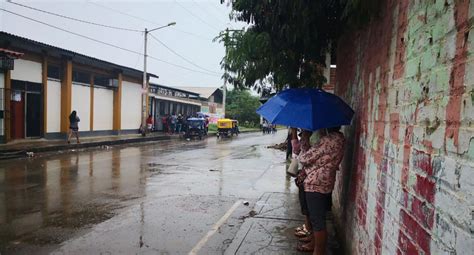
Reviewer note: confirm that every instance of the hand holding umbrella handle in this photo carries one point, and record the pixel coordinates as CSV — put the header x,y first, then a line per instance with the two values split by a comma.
x,y
294,133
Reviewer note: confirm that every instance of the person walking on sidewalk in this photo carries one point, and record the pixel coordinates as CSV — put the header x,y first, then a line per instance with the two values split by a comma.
x,y
73,126
320,164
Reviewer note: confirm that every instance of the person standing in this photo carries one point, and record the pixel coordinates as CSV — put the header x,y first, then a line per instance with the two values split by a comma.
x,y
300,147
179,127
320,164
173,121
73,126
149,123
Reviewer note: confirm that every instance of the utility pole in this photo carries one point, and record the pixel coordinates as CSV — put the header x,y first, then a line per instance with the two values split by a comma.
x,y
144,86
145,80
225,95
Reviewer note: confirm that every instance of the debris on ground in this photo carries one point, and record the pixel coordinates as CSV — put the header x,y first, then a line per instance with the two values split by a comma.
x,y
30,154
279,146
246,203
249,215
213,170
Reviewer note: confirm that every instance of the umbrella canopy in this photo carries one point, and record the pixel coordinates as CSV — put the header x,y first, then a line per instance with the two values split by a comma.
x,y
309,109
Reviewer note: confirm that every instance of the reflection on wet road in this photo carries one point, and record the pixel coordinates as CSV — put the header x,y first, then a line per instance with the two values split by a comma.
x,y
157,197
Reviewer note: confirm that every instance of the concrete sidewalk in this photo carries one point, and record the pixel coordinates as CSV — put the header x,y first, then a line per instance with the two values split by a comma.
x,y
24,148
270,228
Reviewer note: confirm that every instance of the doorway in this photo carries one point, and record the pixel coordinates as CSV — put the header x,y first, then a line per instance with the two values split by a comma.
x,y
26,110
33,114
17,109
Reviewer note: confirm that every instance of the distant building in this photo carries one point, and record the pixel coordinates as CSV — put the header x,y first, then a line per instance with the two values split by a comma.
x,y
41,84
164,100
211,101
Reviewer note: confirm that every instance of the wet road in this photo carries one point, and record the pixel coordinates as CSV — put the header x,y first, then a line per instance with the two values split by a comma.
x,y
168,197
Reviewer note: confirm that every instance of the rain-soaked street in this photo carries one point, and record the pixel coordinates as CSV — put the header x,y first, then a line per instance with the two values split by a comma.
x,y
170,197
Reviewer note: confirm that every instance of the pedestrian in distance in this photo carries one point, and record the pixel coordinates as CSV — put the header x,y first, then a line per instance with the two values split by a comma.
x,y
164,120
73,126
179,126
320,164
173,121
149,123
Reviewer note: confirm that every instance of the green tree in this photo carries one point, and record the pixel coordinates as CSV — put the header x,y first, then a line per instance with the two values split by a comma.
x,y
241,105
286,41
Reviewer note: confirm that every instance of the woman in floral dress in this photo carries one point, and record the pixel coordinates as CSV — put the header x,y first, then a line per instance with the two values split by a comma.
x,y
320,164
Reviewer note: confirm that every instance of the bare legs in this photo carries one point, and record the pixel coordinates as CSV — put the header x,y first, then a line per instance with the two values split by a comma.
x,y
70,133
320,239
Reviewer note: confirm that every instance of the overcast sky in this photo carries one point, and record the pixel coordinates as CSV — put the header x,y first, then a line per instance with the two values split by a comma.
x,y
198,22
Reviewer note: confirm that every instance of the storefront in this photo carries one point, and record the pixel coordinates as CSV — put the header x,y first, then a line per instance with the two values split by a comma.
x,y
166,101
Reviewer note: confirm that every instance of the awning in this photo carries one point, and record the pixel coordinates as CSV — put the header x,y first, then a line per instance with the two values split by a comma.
x,y
174,99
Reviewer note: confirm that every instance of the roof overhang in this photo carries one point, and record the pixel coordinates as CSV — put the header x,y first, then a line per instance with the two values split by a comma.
x,y
173,99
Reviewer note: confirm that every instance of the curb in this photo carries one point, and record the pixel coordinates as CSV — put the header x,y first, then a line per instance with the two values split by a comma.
x,y
20,153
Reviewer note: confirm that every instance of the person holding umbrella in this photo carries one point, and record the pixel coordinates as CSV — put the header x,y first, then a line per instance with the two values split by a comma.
x,y
320,164
324,112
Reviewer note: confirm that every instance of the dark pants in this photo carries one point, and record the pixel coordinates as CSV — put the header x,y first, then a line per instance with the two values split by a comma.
x,y
302,198
318,205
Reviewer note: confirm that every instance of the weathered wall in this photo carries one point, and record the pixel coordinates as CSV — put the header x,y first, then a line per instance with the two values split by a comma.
x,y
407,183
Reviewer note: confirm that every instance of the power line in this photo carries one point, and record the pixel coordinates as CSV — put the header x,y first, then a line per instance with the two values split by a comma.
x,y
180,56
149,21
207,12
105,43
71,18
197,17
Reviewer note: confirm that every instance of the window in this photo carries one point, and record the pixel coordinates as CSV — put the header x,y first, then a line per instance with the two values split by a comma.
x,y
55,72
81,77
101,81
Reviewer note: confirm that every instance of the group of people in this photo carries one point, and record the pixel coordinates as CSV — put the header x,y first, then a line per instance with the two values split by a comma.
x,y
268,128
176,124
315,180
172,124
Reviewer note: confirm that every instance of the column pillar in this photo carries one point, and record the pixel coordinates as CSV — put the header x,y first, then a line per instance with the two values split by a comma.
x,y
66,94
7,111
91,121
118,105
44,73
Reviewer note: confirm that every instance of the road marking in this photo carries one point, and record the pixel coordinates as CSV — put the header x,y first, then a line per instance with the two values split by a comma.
x,y
214,228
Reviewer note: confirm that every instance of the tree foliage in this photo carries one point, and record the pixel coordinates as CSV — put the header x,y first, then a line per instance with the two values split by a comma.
x,y
241,105
285,42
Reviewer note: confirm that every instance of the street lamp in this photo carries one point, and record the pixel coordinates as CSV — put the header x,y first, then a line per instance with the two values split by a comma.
x,y
145,85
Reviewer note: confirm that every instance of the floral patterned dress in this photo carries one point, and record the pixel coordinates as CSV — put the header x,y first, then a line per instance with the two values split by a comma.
x,y
321,163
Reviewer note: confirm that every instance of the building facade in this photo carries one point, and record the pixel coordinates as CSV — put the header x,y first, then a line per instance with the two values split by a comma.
x,y
45,83
211,101
164,101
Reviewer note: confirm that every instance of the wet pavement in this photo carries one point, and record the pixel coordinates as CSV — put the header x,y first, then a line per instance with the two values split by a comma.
x,y
167,197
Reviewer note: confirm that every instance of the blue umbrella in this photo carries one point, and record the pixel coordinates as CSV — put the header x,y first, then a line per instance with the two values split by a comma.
x,y
309,109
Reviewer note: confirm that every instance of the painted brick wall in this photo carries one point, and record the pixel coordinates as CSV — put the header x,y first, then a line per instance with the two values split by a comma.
x,y
407,182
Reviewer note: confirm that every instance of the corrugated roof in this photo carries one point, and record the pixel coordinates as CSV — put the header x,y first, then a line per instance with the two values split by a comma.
x,y
11,41
205,92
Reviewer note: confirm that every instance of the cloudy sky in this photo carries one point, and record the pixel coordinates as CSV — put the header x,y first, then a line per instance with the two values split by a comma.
x,y
198,22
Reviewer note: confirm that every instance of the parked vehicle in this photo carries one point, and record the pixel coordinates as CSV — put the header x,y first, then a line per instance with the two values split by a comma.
x,y
196,128
227,127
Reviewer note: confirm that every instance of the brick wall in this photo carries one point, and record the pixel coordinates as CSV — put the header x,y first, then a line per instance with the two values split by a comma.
x,y
407,181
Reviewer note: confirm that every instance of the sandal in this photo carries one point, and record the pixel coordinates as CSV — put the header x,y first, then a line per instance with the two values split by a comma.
x,y
302,233
302,247
302,227
306,239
